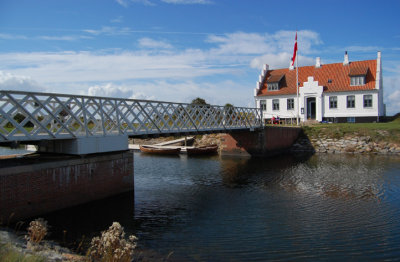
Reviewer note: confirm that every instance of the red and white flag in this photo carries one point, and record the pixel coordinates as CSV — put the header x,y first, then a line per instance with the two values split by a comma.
x,y
295,50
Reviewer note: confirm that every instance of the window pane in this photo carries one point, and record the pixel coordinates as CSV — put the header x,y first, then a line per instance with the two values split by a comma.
x,y
367,100
290,104
351,102
275,104
332,102
263,105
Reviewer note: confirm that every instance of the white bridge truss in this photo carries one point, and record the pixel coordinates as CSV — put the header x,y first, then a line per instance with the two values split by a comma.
x,y
33,116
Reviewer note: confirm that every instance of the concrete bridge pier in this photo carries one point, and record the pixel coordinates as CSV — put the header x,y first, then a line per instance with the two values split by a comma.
x,y
35,185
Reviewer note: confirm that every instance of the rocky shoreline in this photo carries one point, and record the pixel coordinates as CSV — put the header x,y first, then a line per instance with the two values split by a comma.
x,y
350,144
48,250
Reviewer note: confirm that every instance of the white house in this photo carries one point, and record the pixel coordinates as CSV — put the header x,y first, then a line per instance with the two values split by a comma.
x,y
339,92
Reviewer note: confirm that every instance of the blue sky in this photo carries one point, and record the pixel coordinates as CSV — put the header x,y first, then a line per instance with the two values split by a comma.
x,y
177,50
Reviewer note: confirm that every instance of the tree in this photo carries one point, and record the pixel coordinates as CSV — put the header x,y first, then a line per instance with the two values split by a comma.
x,y
199,101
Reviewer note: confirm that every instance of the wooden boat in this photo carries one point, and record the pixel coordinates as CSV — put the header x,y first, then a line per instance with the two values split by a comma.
x,y
202,150
159,150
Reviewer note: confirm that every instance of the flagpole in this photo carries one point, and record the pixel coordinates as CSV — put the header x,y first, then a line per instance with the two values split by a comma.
x,y
297,87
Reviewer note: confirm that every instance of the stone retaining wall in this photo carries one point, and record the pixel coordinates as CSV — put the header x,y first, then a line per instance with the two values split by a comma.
x,y
354,144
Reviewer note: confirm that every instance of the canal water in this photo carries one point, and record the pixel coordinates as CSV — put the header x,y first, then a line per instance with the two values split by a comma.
x,y
320,207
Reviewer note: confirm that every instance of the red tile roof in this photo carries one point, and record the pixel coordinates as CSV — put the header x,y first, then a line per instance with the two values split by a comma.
x,y
338,73
274,78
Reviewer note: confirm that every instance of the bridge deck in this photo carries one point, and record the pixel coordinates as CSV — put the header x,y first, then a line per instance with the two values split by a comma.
x,y
33,116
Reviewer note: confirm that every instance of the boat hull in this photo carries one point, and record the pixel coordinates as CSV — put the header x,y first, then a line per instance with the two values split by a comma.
x,y
203,150
159,150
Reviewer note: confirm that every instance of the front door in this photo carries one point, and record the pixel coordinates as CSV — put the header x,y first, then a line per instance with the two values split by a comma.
x,y
311,108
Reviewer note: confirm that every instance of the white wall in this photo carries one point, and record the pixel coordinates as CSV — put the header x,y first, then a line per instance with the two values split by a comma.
x,y
282,112
358,111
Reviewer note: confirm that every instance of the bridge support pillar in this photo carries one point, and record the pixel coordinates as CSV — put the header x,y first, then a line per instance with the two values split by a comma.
x,y
266,142
85,145
33,186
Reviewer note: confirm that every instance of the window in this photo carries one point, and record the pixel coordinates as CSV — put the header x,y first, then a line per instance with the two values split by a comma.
x,y
290,104
351,102
333,102
263,105
357,80
275,104
367,100
351,120
273,86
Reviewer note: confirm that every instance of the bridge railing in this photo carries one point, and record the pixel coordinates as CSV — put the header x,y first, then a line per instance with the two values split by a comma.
x,y
30,116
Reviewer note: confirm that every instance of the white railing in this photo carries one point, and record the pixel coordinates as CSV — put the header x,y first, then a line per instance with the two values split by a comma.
x,y
32,116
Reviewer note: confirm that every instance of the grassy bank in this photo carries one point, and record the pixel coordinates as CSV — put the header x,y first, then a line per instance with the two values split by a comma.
x,y
379,132
9,254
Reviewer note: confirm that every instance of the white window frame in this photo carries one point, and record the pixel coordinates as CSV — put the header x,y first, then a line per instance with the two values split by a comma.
x,y
263,105
357,80
275,104
273,86
290,104
370,101
333,102
352,101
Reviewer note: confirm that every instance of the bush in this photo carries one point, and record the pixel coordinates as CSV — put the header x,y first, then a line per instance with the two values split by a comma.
x,y
37,230
112,246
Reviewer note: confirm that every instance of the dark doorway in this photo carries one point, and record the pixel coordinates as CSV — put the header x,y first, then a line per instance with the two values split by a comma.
x,y
311,108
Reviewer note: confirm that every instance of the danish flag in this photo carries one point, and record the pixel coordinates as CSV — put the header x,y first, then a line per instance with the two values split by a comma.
x,y
295,50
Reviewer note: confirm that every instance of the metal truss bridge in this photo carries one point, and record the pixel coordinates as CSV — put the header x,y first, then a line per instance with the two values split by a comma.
x,y
33,117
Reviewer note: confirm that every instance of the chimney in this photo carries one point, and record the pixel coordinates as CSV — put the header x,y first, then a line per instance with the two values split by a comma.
x,y
318,62
346,58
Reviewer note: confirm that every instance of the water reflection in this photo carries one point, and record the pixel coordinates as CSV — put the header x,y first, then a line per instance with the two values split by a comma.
x,y
337,176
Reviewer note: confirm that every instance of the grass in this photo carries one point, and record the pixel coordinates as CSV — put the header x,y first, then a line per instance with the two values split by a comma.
x,y
8,254
379,132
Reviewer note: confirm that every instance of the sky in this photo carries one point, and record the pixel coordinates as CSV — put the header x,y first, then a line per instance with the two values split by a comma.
x,y
177,50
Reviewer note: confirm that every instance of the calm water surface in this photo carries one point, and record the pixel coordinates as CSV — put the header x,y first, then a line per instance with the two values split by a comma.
x,y
325,207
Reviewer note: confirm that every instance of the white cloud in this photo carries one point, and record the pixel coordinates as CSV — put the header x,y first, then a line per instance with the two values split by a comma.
x,y
60,38
16,82
151,43
362,49
109,30
181,91
69,67
255,43
240,43
391,91
279,60
124,3
12,37
117,20
117,91
168,74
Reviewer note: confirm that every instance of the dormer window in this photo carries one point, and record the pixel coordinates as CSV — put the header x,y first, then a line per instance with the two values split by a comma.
x,y
357,76
357,80
273,82
273,86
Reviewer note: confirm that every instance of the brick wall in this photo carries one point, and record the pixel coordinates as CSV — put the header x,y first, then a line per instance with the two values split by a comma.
x,y
30,189
269,141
